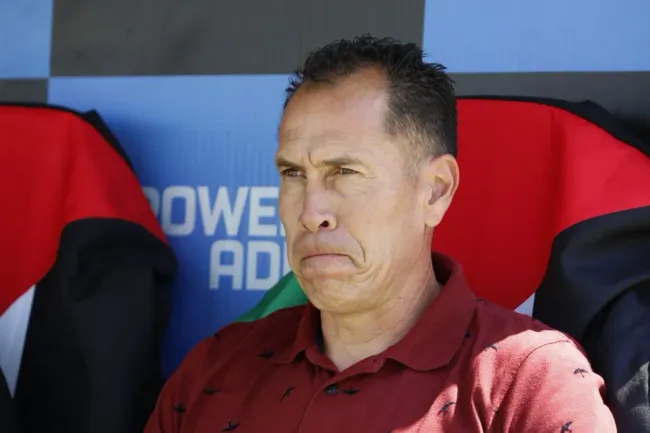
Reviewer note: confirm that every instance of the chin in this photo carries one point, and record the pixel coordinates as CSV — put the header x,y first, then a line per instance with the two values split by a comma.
x,y
335,295
323,277
334,300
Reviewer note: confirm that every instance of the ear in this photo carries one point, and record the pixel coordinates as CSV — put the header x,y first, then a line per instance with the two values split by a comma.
x,y
440,178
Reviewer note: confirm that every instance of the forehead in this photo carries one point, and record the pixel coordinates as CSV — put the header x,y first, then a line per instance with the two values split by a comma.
x,y
346,116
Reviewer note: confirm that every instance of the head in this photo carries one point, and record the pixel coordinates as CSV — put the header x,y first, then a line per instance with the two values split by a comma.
x,y
366,154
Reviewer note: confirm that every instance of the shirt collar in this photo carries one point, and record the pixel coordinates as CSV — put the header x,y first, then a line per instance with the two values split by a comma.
x,y
308,334
434,339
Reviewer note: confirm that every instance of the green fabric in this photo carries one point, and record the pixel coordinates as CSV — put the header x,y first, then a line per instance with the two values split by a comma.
x,y
284,294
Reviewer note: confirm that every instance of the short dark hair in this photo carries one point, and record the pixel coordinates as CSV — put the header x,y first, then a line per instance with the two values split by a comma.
x,y
422,102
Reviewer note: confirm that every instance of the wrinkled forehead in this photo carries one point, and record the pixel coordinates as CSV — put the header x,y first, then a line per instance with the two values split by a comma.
x,y
313,142
346,114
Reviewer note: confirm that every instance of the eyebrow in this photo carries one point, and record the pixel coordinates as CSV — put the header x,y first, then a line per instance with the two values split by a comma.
x,y
338,161
282,162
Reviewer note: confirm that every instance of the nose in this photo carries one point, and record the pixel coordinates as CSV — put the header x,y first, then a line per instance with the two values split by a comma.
x,y
317,211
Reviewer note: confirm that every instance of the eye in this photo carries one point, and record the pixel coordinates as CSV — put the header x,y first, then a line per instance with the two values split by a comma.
x,y
345,171
290,172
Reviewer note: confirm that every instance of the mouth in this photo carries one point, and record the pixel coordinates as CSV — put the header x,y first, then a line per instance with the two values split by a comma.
x,y
314,255
326,265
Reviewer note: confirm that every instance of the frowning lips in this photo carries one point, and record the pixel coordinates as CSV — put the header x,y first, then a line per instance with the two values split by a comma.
x,y
313,246
326,252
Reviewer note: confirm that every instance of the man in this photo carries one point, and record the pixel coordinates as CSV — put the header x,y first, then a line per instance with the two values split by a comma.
x,y
392,339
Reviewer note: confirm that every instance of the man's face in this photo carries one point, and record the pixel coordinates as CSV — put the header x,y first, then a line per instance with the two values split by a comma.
x,y
354,219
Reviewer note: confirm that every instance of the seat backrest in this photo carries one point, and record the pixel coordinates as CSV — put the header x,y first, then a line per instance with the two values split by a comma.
x,y
57,168
84,275
551,198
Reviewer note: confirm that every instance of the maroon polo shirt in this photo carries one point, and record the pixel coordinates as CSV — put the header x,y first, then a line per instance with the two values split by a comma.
x,y
466,366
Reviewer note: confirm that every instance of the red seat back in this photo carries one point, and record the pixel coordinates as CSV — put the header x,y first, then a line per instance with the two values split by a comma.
x,y
547,190
85,277
57,169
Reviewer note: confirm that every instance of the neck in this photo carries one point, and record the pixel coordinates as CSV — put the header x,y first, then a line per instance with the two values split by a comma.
x,y
351,338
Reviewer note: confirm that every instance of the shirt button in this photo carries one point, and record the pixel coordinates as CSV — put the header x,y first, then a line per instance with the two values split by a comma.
x,y
332,389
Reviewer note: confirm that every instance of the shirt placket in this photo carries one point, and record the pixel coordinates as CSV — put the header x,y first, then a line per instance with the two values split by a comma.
x,y
328,408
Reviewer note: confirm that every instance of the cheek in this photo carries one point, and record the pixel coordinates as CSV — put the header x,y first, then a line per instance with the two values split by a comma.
x,y
359,214
289,204
366,217
390,216
368,204
289,208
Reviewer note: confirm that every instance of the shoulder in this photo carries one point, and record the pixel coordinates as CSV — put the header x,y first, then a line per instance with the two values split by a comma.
x,y
515,335
505,340
535,378
517,357
276,330
224,347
